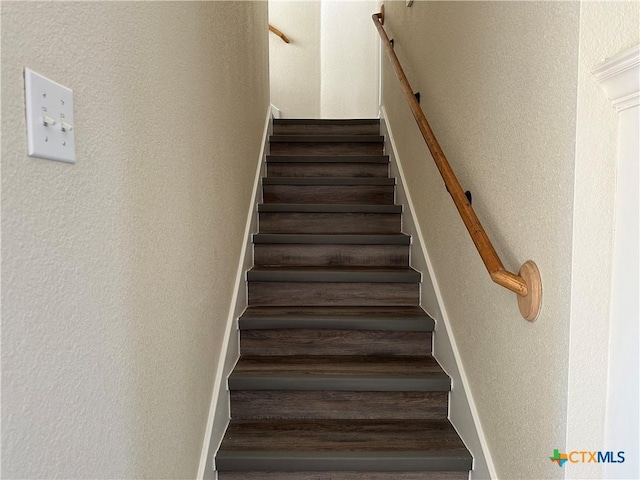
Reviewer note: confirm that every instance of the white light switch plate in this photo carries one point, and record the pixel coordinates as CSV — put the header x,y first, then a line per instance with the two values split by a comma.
x,y
50,125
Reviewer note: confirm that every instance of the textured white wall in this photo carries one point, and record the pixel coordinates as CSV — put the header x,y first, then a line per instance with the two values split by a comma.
x,y
117,271
606,29
350,60
498,83
294,68
331,67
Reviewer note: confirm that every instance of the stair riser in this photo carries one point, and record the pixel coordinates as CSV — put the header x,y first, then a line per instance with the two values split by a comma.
x,y
327,129
332,294
329,194
380,170
334,342
336,223
343,475
270,404
412,319
286,255
326,148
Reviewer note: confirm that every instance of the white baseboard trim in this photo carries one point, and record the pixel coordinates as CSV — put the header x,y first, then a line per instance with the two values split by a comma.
x,y
275,111
219,411
462,409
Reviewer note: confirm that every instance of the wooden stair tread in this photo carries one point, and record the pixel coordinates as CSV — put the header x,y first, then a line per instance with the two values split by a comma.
x,y
350,138
334,239
338,372
339,365
343,475
327,158
328,208
333,181
327,404
326,121
342,436
362,318
334,274
352,445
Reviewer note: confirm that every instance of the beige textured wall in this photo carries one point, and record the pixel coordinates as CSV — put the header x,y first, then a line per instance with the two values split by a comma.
x,y
117,271
498,82
295,67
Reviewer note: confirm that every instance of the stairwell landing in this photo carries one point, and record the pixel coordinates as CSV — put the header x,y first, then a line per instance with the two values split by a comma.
x,y
336,380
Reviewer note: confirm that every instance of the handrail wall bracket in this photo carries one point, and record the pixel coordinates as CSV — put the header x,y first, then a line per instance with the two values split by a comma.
x,y
527,284
530,303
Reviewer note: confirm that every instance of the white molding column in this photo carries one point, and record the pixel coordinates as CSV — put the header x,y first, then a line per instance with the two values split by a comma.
x,y
620,79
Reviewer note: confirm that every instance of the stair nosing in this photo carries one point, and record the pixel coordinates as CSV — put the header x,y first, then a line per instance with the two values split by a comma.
x,y
328,208
376,460
329,181
323,138
342,275
326,121
333,239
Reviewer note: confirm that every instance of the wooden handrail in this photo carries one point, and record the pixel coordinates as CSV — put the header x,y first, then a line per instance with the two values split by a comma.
x,y
284,38
527,284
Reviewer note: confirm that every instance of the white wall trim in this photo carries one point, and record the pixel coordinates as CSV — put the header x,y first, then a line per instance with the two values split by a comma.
x,y
619,77
463,413
219,410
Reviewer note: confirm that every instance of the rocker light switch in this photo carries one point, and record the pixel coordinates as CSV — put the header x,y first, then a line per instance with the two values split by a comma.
x,y
50,127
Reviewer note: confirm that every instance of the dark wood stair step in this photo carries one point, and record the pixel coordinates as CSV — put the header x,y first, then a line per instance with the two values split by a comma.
x,y
314,218
285,341
384,159
361,318
387,250
327,208
328,166
330,193
286,126
339,372
320,239
340,223
322,294
333,181
326,139
288,255
334,274
360,170
333,475
271,404
334,445
329,145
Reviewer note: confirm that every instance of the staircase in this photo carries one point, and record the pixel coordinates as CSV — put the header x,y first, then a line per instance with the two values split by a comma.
x,y
336,378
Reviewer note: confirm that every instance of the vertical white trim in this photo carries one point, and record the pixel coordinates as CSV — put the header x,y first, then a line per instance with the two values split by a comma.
x,y
463,413
619,77
219,410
